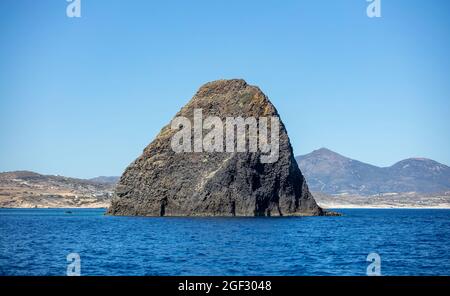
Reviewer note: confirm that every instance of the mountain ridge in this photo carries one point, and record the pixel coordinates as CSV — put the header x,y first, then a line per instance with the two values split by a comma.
x,y
332,173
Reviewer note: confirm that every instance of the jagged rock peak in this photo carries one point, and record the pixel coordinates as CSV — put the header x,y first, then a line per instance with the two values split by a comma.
x,y
163,182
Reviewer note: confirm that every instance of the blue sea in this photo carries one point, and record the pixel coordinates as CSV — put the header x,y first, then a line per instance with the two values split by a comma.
x,y
409,242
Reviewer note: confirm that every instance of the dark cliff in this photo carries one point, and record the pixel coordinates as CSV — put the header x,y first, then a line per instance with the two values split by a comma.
x,y
161,182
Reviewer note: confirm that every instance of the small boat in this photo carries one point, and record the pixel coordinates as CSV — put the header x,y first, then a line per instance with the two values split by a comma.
x,y
68,212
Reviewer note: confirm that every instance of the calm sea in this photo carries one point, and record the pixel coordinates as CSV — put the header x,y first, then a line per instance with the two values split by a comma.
x,y
409,242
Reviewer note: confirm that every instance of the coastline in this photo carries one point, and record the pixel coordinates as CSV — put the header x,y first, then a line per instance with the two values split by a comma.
x,y
386,207
325,207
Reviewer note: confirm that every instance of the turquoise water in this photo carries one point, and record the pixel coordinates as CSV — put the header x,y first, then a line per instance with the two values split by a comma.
x,y
410,242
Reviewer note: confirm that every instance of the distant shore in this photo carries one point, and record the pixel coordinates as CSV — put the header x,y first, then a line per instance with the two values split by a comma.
x,y
390,201
346,206
28,190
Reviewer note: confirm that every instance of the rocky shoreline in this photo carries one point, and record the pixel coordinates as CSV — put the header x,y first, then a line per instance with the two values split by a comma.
x,y
33,190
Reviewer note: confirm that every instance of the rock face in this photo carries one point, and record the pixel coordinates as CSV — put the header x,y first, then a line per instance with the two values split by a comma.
x,y
163,183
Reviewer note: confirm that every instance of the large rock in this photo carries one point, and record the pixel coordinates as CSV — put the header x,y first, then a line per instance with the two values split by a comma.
x,y
161,182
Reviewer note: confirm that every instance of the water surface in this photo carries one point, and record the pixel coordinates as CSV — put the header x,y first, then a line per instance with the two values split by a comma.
x,y
410,242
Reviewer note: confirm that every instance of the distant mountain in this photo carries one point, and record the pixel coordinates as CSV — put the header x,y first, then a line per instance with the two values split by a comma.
x,y
329,172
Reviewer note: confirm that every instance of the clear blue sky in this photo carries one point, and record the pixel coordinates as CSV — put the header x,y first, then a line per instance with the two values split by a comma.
x,y
83,97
